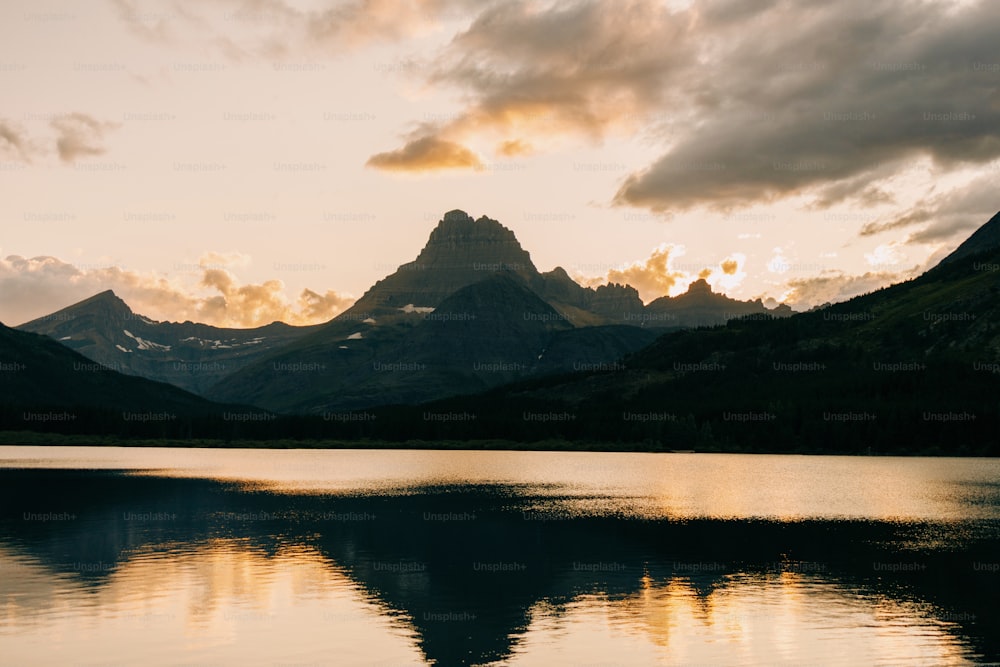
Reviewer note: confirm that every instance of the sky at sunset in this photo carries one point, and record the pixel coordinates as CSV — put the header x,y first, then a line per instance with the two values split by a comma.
x,y
237,162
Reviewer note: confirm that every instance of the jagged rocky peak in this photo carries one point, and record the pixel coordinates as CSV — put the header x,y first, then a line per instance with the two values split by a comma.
x,y
458,241
618,289
699,286
456,215
558,281
458,231
460,251
558,287
616,300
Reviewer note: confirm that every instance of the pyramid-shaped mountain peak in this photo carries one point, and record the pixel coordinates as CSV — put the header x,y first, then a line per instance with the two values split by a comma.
x,y
102,302
107,296
459,231
460,251
106,304
106,301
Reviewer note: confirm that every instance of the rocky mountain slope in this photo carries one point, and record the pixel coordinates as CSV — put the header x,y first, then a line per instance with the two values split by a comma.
x,y
39,374
471,299
911,367
188,355
485,334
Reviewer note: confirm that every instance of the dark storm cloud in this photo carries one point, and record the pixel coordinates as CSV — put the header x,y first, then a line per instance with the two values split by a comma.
x,y
825,94
759,101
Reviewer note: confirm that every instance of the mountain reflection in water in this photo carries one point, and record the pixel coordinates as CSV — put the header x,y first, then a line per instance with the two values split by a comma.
x,y
110,566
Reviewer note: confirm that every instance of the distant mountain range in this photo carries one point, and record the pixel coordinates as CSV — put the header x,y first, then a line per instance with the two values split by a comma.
x,y
189,355
470,312
497,350
485,334
701,307
911,367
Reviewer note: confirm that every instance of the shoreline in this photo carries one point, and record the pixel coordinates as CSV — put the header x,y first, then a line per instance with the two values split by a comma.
x,y
36,439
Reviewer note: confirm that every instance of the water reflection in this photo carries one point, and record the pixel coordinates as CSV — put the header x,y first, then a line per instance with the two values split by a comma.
x,y
102,567
762,621
218,602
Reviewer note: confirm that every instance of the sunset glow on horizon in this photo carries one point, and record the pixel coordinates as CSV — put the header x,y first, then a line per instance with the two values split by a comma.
x,y
237,163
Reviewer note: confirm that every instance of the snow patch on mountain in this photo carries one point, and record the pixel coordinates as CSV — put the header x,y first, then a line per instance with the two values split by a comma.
x,y
146,344
410,308
219,345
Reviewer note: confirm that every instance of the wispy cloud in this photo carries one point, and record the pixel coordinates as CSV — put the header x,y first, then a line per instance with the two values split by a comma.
x,y
80,135
942,215
76,135
274,29
837,286
13,142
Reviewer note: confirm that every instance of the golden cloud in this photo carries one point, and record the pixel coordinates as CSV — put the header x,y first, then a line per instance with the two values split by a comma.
x,y
522,68
514,147
651,277
657,276
426,154
30,288
834,287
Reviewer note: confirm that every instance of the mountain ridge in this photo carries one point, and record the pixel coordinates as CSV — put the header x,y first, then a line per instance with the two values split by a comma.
x,y
44,373
912,367
460,252
189,355
985,238
487,333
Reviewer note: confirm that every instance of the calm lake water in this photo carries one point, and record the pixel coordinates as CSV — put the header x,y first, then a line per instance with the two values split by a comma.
x,y
113,556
